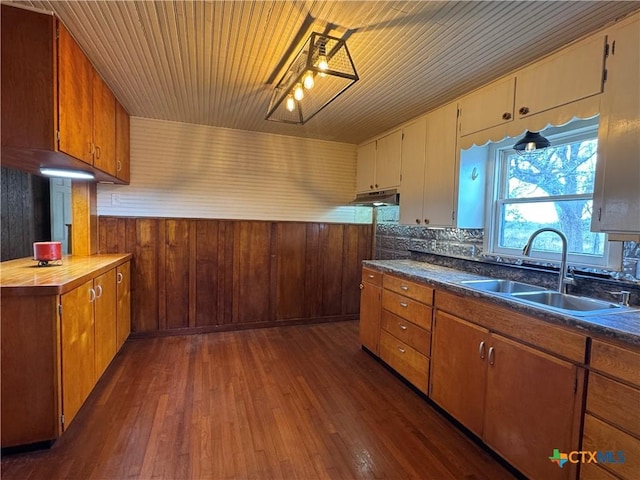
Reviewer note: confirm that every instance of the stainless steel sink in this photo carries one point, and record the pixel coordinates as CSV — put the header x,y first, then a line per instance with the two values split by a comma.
x,y
570,304
501,286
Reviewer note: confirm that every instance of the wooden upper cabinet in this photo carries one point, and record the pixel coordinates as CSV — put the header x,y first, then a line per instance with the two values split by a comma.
x,y
123,143
104,127
569,75
412,169
75,99
366,169
56,110
485,108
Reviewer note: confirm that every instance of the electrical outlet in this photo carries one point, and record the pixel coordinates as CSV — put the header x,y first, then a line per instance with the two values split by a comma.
x,y
115,199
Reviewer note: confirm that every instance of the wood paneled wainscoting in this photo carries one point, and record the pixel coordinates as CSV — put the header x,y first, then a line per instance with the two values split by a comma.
x,y
198,275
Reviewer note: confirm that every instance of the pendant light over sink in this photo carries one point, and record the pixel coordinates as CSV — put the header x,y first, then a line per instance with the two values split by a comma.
x,y
530,143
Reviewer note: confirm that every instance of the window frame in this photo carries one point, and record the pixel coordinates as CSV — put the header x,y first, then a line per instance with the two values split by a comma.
x,y
498,154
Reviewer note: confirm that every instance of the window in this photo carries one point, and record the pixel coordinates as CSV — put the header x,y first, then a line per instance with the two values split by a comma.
x,y
553,188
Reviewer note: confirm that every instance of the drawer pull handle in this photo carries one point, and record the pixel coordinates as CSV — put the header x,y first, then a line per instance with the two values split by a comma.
x,y
402,350
481,350
402,327
120,277
99,292
492,356
403,305
404,287
371,275
92,295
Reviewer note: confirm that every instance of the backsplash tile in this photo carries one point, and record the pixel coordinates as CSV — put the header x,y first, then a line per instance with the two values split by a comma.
x,y
463,249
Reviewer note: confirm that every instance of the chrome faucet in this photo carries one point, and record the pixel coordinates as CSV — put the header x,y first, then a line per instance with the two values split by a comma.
x,y
563,280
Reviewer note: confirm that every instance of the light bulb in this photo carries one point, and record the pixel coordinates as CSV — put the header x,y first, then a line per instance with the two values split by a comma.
x,y
291,104
322,63
308,81
298,92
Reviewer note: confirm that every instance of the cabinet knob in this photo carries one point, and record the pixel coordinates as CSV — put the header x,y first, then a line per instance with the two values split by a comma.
x,y
506,116
426,221
523,110
92,295
371,187
376,185
98,291
120,277
418,221
361,286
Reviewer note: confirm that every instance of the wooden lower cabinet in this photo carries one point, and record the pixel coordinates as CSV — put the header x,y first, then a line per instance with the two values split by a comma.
x,y
54,350
520,401
370,304
78,349
123,315
105,317
612,423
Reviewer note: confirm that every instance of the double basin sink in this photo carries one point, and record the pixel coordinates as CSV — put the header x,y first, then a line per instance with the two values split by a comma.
x,y
547,299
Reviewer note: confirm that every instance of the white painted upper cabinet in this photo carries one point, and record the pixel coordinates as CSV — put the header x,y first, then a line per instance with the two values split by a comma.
x,y
429,169
616,206
413,164
569,75
441,169
366,167
378,165
488,107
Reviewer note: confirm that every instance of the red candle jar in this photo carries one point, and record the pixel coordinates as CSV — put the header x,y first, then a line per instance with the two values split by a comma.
x,y
47,251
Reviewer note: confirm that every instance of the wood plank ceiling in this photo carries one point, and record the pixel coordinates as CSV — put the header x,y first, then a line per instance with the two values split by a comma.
x,y
215,63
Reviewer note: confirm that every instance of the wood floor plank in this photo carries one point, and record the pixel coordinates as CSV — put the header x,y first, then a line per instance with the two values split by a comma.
x,y
280,403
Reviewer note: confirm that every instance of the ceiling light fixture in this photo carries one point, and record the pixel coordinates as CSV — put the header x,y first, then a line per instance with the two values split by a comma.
x,y
531,142
324,68
65,173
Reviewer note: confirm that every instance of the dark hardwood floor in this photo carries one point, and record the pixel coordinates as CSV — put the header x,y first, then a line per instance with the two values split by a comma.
x,y
288,402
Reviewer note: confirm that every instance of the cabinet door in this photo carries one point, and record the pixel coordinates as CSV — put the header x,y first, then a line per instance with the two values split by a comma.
x,y
414,139
77,339
617,190
458,369
370,308
570,75
105,321
532,406
75,99
123,314
104,126
487,107
440,172
388,154
123,136
366,170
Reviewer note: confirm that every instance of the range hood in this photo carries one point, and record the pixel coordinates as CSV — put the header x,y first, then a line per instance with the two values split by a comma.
x,y
375,199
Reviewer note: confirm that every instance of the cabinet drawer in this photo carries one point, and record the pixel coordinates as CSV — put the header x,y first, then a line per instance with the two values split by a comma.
x,y
405,360
408,332
616,361
413,290
372,276
602,437
614,402
408,309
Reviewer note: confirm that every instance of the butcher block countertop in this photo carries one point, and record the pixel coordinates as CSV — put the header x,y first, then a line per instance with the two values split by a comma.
x,y
23,276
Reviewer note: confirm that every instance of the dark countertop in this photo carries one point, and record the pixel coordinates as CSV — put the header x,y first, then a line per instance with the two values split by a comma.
x,y
623,327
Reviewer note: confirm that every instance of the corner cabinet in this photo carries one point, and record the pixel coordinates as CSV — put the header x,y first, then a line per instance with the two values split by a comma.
x,y
56,109
57,341
378,165
616,202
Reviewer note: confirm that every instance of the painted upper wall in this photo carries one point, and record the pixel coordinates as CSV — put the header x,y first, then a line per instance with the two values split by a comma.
x,y
193,171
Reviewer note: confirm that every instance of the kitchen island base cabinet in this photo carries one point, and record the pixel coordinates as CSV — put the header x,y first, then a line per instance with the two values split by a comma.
x,y
58,337
521,402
